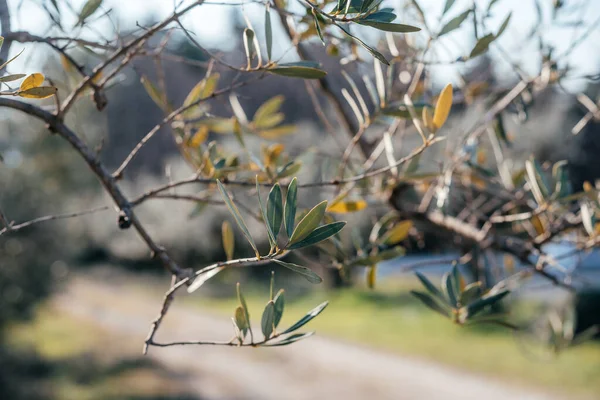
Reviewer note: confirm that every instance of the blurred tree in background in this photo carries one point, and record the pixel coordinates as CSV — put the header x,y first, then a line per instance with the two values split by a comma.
x,y
336,134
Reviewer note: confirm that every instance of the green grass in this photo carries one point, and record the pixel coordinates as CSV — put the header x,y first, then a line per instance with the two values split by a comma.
x,y
392,320
90,363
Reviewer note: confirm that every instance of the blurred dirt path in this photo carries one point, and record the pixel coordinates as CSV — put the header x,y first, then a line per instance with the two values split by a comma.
x,y
318,368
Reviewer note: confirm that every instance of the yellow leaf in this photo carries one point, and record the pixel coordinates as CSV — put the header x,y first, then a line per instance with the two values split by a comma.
x,y
40,92
398,233
509,263
342,207
266,111
32,81
272,152
154,92
199,137
538,225
481,156
275,133
228,239
203,89
442,107
428,120
371,276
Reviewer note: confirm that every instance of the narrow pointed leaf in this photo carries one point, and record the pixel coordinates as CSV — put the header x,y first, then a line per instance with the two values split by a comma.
x,y
318,26
237,216
398,233
305,272
279,307
381,16
470,293
267,320
482,45
448,285
503,26
12,59
388,26
308,223
267,109
10,78
40,92
228,239
241,321
431,288
243,303
297,71
454,23
263,212
343,207
371,50
275,210
448,6
268,32
202,279
443,106
290,207
430,302
154,92
485,301
307,318
291,339
87,10
319,234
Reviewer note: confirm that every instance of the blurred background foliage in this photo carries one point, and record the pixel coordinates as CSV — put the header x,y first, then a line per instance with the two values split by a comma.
x,y
41,175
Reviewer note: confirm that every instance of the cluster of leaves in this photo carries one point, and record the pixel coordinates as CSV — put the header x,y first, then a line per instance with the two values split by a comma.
x,y
362,12
275,214
31,87
459,302
271,316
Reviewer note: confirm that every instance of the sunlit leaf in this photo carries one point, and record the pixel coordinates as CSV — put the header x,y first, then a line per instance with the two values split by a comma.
x,y
248,46
266,110
40,92
228,239
240,320
32,81
305,272
318,235
200,280
398,233
289,340
442,107
199,137
202,90
307,318
154,92
276,133
237,216
308,224
347,206
371,276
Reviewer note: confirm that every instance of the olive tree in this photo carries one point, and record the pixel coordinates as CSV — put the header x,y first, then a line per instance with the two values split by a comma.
x,y
485,206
